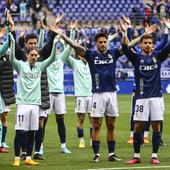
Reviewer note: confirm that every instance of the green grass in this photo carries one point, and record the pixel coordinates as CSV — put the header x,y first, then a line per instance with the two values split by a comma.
x,y
81,158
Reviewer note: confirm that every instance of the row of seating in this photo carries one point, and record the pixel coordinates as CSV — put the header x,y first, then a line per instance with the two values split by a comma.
x,y
95,9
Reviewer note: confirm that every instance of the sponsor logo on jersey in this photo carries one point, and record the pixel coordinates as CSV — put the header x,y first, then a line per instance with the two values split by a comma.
x,y
55,65
148,67
110,56
142,61
31,75
103,61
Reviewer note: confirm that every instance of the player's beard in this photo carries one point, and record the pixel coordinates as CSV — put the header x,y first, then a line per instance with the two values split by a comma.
x,y
102,49
147,50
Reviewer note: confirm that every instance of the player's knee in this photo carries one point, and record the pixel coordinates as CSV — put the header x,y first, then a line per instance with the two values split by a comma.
x,y
138,126
41,122
80,120
3,118
156,126
111,126
96,126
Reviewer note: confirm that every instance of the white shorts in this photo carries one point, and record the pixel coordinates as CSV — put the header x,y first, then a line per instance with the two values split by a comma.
x,y
43,113
104,104
57,104
6,108
83,104
150,107
1,106
27,117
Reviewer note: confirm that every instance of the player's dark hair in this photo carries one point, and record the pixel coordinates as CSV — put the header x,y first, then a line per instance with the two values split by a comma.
x,y
28,50
29,36
146,37
100,34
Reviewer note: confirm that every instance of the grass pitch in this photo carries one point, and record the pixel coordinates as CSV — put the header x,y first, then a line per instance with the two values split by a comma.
x,y
82,158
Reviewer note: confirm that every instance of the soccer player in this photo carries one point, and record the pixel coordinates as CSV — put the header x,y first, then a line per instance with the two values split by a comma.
x,y
28,97
158,46
55,74
104,103
82,91
3,49
149,103
31,40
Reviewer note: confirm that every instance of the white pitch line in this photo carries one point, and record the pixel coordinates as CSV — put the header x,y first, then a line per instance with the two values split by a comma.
x,y
125,168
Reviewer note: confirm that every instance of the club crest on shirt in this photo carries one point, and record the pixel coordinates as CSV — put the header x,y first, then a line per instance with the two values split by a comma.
x,y
154,59
110,56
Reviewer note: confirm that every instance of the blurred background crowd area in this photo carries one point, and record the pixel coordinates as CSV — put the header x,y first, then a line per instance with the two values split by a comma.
x,y
92,16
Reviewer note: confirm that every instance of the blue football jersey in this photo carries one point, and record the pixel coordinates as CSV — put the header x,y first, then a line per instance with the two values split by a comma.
x,y
147,71
102,68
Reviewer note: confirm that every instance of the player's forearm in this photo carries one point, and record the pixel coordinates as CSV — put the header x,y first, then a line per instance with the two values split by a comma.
x,y
65,54
124,38
134,41
79,49
163,41
41,38
5,45
47,48
72,34
111,37
52,57
53,52
12,52
72,37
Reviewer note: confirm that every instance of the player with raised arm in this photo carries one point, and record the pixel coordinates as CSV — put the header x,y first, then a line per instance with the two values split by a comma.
x,y
28,98
149,103
158,46
82,91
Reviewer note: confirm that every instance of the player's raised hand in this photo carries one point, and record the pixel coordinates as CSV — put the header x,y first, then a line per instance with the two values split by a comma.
x,y
42,24
10,19
56,29
166,22
22,33
123,26
59,18
2,32
11,38
73,25
112,36
150,29
126,20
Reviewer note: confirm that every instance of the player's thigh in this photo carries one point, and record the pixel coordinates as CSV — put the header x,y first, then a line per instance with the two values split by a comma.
x,y
34,118
157,108
110,121
60,104
89,104
6,108
1,106
142,110
112,105
22,117
98,105
80,105
52,101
